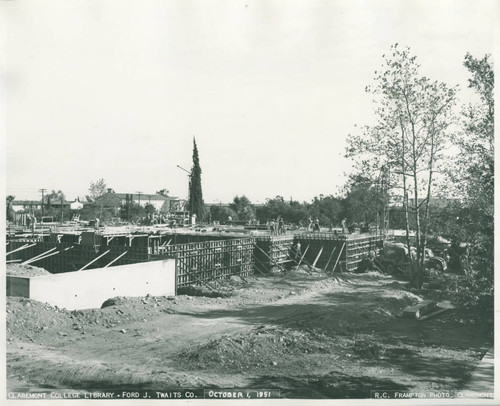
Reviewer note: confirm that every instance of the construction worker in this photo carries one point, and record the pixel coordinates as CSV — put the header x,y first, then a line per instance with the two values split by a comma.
x,y
344,226
316,225
298,252
33,224
271,226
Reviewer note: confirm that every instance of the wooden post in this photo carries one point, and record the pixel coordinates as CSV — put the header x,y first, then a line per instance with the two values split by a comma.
x,y
40,258
37,256
21,248
91,262
166,243
262,273
319,254
340,253
329,259
272,260
298,263
116,259
207,285
303,255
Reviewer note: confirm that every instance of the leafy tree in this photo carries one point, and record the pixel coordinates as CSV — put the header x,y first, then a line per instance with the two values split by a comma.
x,y
243,208
473,175
413,119
53,207
150,209
327,209
97,189
474,172
91,211
291,211
133,212
364,200
54,197
195,192
221,214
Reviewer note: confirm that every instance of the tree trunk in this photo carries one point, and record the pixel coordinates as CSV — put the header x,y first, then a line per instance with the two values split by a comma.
x,y
405,198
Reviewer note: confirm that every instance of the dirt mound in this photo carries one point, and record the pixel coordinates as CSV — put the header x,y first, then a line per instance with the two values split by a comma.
x,y
261,346
40,322
114,301
26,271
28,318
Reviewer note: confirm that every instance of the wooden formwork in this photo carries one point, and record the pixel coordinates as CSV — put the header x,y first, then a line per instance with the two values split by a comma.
x,y
337,251
359,247
71,256
323,250
203,262
273,251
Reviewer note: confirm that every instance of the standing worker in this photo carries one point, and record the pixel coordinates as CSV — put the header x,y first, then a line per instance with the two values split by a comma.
x,y
298,252
344,226
316,225
33,224
281,227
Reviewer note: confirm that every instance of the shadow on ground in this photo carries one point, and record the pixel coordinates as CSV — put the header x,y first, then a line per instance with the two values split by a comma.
x,y
334,385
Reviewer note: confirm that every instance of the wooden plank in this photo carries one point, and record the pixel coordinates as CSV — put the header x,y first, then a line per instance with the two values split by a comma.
x,y
95,259
338,258
329,259
116,259
261,272
205,284
40,258
20,248
420,309
272,260
298,263
317,257
303,255
435,313
37,256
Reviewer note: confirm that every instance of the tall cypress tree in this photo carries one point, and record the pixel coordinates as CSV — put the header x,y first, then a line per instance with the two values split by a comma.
x,y
195,193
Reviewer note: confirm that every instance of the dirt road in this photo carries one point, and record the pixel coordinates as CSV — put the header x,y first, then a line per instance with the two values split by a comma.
x,y
310,336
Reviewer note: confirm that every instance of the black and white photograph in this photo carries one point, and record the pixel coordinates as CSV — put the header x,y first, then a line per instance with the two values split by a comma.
x,y
248,200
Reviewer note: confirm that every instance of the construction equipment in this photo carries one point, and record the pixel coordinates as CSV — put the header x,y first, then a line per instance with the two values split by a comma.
x,y
394,259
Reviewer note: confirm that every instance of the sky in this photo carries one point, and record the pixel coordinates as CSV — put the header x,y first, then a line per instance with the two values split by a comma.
x,y
270,89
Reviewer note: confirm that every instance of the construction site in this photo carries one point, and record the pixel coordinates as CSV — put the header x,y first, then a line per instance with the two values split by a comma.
x,y
161,312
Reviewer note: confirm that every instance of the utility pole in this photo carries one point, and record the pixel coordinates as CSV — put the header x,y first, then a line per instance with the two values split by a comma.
x,y
43,191
139,193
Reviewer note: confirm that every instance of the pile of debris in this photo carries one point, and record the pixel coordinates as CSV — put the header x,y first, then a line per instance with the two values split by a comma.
x,y
26,271
262,346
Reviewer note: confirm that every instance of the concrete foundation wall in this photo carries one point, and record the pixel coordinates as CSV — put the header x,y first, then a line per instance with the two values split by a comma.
x,y
18,286
90,288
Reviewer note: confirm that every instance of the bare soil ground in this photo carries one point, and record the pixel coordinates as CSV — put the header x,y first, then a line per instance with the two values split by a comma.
x,y
310,336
